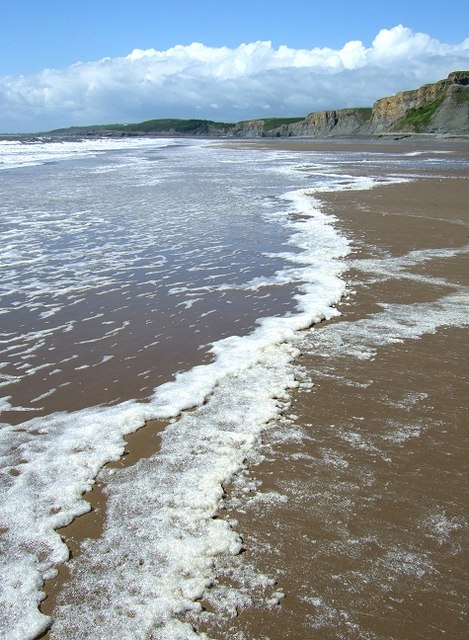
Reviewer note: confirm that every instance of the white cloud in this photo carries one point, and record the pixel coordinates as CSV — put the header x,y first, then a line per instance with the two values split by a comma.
x,y
226,84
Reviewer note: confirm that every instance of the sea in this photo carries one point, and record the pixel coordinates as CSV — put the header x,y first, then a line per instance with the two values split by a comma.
x,y
143,280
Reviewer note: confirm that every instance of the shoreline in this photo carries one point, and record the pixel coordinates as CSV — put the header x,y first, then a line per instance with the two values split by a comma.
x,y
393,136
386,143
362,515
339,204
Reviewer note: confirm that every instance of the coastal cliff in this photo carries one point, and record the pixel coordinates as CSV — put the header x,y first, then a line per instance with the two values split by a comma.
x,y
442,107
439,108
341,122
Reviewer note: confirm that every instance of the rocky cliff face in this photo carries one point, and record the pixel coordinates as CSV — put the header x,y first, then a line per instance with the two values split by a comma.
x,y
452,116
442,107
343,122
246,129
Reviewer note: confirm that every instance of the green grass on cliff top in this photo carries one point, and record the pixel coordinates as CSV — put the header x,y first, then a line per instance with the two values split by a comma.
x,y
176,125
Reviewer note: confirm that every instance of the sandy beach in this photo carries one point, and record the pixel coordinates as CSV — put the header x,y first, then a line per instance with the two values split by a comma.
x,y
365,517
361,510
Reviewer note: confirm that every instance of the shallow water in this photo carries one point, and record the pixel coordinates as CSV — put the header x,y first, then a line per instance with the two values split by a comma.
x,y
142,278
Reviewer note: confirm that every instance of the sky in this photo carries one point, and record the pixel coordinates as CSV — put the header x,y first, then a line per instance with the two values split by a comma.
x,y
100,61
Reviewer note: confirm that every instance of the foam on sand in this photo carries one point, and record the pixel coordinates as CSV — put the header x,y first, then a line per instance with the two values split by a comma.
x,y
167,557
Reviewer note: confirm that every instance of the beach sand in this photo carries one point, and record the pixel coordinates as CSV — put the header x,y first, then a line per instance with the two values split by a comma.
x,y
364,520
362,511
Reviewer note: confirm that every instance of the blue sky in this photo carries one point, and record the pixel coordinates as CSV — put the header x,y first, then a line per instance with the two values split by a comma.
x,y
41,42
53,33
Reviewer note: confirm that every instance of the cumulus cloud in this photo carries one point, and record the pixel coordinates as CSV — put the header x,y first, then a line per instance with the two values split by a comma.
x,y
251,80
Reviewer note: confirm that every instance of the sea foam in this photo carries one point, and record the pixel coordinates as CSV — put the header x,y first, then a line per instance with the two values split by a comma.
x,y
163,532
50,462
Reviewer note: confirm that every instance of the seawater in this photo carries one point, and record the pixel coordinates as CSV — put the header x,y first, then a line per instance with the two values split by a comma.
x,y
140,279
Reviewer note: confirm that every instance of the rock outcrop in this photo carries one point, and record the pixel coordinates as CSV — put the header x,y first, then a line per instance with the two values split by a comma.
x,y
342,122
442,107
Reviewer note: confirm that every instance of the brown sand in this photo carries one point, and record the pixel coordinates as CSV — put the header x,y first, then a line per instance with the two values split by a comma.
x,y
384,144
372,540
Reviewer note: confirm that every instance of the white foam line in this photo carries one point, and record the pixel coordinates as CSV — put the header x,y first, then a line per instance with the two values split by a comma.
x,y
253,371
32,370
28,154
390,265
395,324
44,395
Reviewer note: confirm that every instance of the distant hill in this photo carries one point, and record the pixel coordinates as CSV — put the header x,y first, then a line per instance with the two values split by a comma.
x,y
165,126
439,108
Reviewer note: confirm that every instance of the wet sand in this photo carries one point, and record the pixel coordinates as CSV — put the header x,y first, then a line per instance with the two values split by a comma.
x,y
365,519
365,509
386,144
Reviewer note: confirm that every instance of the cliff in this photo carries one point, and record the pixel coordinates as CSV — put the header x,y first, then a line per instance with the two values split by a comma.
x,y
342,122
439,108
442,107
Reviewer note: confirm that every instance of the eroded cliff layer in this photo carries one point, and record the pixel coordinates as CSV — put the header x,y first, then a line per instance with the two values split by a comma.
x,y
442,107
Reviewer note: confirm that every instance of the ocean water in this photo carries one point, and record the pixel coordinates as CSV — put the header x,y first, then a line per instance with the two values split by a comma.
x,y
151,279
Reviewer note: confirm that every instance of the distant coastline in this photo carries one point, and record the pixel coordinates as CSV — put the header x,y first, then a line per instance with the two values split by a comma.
x,y
438,109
